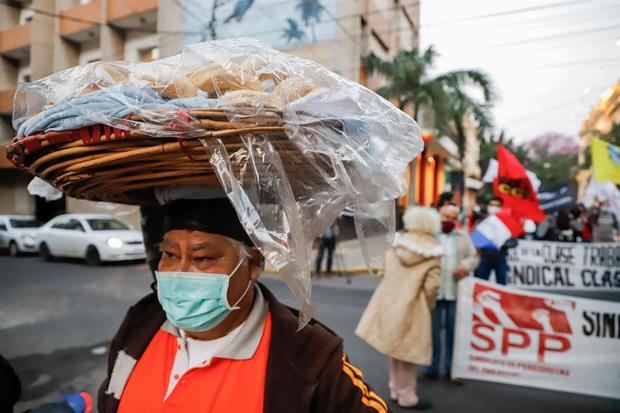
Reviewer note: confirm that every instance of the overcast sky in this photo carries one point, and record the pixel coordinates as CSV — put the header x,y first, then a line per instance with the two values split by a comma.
x,y
550,64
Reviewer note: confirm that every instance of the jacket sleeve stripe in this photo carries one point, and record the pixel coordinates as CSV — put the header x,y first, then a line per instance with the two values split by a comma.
x,y
358,373
373,401
369,398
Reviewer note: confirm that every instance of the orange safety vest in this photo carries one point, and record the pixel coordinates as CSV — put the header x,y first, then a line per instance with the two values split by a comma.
x,y
225,385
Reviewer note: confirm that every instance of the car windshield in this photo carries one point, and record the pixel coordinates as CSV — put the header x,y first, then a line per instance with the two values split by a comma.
x,y
24,223
106,224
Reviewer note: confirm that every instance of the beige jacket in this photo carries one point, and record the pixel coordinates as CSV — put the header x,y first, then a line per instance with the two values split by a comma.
x,y
397,320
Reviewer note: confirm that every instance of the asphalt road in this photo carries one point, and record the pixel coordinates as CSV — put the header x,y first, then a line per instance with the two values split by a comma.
x,y
56,318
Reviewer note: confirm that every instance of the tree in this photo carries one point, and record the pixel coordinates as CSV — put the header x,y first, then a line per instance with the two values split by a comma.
x,y
553,143
240,9
409,83
310,10
462,105
553,170
446,96
553,158
488,149
293,32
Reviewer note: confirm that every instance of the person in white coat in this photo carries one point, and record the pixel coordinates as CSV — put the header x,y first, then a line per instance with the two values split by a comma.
x,y
397,320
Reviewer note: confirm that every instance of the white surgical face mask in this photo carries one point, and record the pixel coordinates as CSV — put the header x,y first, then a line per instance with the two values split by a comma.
x,y
493,210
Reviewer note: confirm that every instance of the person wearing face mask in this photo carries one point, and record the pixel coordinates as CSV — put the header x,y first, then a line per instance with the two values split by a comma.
x,y
213,339
492,259
494,205
604,222
459,260
397,320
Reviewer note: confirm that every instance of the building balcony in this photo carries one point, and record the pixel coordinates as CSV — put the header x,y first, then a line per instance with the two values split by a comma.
x,y
15,42
120,9
81,23
6,101
136,13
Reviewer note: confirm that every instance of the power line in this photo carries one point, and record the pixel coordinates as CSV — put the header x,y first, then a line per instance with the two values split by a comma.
x,y
186,11
576,63
554,107
333,18
355,37
558,18
554,36
509,12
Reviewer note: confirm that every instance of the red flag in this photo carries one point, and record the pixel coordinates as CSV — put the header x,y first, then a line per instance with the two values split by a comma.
x,y
514,187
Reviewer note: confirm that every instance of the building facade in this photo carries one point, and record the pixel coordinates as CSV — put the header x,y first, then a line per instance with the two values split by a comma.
x,y
600,121
40,37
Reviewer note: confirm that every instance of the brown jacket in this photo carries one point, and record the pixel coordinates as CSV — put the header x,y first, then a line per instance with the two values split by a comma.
x,y
307,371
397,320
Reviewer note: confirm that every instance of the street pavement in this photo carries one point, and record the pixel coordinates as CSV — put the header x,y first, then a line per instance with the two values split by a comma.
x,y
57,318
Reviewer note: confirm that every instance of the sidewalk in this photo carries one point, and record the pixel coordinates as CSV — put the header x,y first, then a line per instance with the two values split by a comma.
x,y
348,260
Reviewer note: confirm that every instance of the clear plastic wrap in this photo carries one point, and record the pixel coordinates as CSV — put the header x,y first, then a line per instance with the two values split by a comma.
x,y
289,142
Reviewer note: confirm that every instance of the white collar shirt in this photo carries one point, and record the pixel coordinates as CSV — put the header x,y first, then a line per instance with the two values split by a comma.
x,y
239,344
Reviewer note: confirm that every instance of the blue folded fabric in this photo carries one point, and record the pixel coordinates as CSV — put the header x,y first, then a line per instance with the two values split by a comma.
x,y
104,107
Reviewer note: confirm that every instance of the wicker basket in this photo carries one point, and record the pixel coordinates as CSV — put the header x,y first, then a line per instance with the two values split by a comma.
x,y
106,164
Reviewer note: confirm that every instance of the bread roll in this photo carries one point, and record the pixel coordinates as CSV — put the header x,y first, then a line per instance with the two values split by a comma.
x,y
292,89
111,73
179,87
251,98
215,79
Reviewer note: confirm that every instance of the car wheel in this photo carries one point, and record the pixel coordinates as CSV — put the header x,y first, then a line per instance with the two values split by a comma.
x,y
92,256
44,250
13,249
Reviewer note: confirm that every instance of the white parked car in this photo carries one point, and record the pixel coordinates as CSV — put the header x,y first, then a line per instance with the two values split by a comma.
x,y
18,233
93,237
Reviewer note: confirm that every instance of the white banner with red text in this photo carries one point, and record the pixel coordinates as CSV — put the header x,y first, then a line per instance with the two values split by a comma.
x,y
535,339
565,265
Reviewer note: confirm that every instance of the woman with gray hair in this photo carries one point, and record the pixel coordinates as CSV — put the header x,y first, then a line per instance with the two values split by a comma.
x,y
397,321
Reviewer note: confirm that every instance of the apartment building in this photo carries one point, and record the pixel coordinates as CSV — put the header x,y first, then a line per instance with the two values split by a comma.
x,y
40,37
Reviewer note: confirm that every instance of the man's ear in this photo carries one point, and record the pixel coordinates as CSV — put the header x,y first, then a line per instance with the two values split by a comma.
x,y
256,264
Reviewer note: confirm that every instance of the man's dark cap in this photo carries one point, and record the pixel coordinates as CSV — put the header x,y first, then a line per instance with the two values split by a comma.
x,y
214,216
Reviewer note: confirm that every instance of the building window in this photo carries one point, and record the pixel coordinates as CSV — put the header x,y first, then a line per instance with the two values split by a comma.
x,y
149,54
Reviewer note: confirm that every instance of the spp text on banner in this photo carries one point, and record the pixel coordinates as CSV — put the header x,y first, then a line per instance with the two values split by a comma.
x,y
535,339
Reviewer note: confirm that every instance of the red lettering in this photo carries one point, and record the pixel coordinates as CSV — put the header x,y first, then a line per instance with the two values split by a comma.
x,y
543,346
507,343
477,332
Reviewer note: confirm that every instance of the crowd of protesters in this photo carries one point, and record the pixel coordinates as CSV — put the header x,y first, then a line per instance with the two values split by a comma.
x,y
414,305
580,224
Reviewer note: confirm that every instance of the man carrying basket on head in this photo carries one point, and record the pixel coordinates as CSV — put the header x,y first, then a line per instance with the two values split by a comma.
x,y
251,154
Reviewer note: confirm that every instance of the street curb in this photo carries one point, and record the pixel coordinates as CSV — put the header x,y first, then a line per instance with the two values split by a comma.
x,y
347,271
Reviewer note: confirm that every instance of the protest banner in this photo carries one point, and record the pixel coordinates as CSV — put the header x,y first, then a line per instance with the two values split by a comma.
x,y
556,198
536,339
565,265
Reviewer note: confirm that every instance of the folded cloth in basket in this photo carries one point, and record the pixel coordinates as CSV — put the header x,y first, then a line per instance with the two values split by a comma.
x,y
116,102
